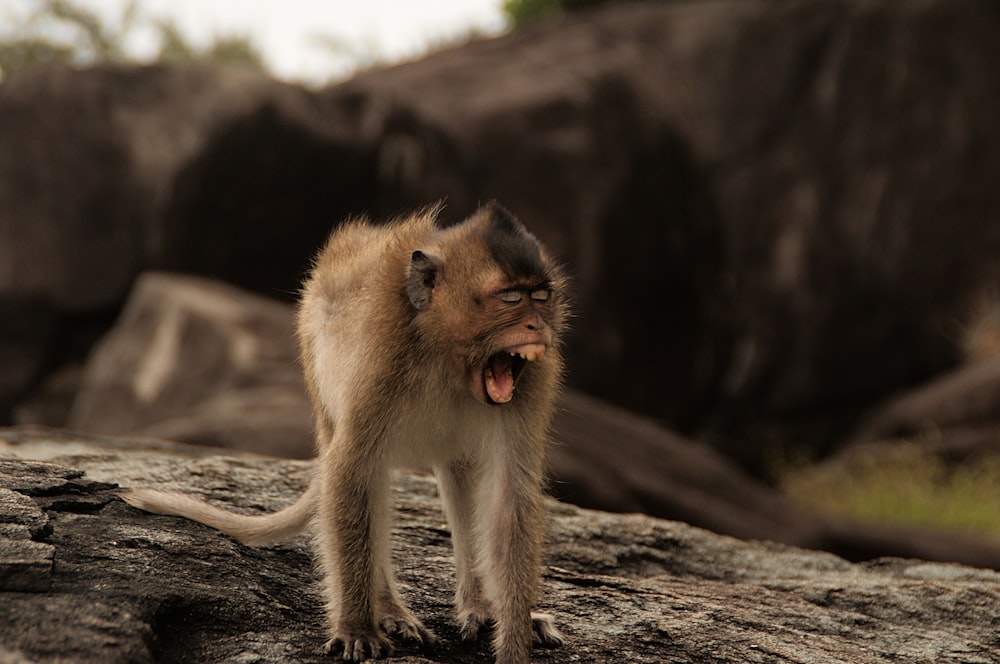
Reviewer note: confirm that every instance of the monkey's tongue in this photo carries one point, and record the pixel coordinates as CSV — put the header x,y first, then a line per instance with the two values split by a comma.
x,y
503,368
498,377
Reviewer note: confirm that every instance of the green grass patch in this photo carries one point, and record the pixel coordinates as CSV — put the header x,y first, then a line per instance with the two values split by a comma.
x,y
903,486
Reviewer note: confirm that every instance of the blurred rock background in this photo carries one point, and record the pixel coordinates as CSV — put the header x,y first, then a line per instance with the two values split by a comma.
x,y
781,218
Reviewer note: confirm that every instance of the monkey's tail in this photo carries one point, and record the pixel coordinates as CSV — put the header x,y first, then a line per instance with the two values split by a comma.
x,y
251,530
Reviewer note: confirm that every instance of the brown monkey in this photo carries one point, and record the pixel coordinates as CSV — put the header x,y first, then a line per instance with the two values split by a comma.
x,y
413,341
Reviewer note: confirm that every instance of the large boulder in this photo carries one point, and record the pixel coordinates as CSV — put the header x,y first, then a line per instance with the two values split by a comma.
x,y
86,578
955,416
198,361
96,170
773,210
96,165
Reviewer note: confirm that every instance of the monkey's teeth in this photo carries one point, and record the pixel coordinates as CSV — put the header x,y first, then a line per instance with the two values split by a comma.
x,y
529,352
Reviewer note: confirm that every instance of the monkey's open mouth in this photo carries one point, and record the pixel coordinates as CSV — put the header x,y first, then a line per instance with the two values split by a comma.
x,y
504,368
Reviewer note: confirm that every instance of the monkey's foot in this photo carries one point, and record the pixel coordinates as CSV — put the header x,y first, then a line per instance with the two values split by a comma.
x,y
407,627
359,646
472,622
546,633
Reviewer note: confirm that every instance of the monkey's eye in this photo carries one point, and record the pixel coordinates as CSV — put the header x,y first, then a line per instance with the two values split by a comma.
x,y
540,295
510,296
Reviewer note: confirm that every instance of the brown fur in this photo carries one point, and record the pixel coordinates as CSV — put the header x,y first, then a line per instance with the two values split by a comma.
x,y
396,326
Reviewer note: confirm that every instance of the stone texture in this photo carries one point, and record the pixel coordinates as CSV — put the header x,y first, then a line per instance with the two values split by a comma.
x,y
88,169
134,587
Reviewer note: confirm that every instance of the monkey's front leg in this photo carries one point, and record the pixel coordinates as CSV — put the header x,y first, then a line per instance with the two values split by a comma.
x,y
513,548
456,482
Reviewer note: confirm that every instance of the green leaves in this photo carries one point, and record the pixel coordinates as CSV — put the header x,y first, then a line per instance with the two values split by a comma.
x,y
63,31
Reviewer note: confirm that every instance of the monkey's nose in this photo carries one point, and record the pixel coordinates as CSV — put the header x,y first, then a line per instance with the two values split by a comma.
x,y
534,323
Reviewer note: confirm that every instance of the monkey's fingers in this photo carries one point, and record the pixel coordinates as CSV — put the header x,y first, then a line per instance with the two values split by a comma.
x,y
359,647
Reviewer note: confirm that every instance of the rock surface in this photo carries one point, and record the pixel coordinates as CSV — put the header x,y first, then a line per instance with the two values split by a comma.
x,y
86,578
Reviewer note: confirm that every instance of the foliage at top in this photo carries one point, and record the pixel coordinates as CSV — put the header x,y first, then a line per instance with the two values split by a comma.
x,y
522,12
61,30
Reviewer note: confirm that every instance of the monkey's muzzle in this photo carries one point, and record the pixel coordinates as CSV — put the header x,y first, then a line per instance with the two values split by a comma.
x,y
504,368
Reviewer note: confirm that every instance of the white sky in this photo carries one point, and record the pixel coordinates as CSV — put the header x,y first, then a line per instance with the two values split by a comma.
x,y
290,32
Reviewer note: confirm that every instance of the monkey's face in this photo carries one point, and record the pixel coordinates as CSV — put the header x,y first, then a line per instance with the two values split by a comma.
x,y
516,332
489,298
497,334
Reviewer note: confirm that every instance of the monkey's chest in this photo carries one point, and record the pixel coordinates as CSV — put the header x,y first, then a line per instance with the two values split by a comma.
x,y
435,434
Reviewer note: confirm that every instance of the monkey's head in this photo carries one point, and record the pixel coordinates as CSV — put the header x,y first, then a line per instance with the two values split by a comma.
x,y
487,295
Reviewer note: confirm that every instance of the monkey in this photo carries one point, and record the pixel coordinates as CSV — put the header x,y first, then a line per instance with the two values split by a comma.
x,y
423,345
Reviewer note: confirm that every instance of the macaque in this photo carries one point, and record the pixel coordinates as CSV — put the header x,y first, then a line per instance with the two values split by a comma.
x,y
429,347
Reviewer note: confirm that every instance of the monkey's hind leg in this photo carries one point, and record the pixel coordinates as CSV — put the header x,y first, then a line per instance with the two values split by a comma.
x,y
546,634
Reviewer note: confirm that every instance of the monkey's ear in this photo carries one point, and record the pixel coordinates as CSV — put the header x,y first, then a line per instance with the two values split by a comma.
x,y
421,279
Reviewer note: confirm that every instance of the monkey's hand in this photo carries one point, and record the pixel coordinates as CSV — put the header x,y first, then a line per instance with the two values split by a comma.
x,y
358,645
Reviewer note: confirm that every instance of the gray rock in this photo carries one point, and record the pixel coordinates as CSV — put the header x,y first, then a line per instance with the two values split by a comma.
x,y
128,586
195,360
82,216
198,361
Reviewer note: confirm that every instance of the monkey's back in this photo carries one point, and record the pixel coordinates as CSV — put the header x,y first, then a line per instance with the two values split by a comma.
x,y
359,256
351,305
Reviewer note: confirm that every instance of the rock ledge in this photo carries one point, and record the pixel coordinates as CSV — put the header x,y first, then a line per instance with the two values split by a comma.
x,y
86,578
